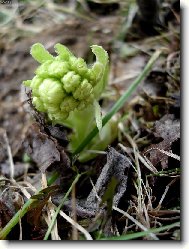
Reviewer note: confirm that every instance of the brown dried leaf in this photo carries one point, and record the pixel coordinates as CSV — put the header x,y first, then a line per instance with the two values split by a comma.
x,y
169,129
10,202
41,148
116,168
59,133
36,208
46,192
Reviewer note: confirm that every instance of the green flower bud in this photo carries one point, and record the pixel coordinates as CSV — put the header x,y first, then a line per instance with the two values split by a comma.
x,y
71,81
38,104
52,108
69,104
64,83
27,82
97,71
63,52
35,83
58,117
58,69
85,103
42,70
78,65
55,69
40,54
51,91
83,91
67,91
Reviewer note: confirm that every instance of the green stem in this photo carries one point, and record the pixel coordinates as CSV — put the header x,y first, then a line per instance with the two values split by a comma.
x,y
59,207
144,233
15,219
120,103
53,178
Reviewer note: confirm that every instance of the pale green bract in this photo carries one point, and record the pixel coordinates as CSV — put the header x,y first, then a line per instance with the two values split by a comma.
x,y
67,90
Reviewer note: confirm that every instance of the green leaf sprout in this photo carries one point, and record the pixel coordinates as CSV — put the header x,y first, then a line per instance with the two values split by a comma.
x,y
68,91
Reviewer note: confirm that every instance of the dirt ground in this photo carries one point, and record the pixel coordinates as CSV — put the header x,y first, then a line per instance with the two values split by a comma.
x,y
145,156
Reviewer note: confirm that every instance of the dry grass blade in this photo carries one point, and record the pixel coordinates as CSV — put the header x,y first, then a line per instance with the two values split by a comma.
x,y
15,219
48,217
142,210
144,203
71,221
9,155
153,236
20,225
24,191
166,153
27,184
165,192
53,220
143,160
74,214
16,185
50,212
76,225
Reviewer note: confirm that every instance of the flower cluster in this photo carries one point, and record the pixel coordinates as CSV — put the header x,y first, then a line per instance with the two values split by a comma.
x,y
64,83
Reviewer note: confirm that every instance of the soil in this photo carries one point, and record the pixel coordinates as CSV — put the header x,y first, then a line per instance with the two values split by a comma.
x,y
139,172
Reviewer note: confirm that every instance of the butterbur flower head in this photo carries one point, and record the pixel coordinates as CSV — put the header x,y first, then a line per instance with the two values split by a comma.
x,y
71,81
64,83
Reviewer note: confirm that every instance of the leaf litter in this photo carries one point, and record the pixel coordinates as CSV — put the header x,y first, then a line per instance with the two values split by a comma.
x,y
144,179
114,172
167,128
41,148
